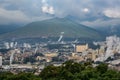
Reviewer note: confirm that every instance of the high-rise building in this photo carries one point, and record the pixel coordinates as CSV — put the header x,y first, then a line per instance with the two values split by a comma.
x,y
0,60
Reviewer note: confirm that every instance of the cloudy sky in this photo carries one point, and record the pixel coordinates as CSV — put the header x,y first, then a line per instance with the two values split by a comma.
x,y
88,12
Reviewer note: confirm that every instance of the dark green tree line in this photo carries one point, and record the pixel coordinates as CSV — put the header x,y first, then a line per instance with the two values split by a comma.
x,y
68,71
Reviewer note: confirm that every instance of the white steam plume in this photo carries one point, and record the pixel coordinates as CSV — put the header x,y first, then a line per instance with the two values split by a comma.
x,y
113,46
46,8
11,57
61,36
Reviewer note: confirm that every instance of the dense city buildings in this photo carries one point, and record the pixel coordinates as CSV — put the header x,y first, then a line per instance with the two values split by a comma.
x,y
27,57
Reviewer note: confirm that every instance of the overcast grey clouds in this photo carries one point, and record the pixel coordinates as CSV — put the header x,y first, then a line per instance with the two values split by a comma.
x,y
87,11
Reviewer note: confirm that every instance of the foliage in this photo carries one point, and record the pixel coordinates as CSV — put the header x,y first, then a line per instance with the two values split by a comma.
x,y
20,76
69,70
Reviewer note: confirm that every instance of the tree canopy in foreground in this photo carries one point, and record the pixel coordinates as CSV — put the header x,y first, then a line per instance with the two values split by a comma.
x,y
68,71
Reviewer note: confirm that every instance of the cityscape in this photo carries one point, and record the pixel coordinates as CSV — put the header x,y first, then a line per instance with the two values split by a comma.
x,y
17,57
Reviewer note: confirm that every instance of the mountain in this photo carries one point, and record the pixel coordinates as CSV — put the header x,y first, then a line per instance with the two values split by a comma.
x,y
110,30
53,28
7,28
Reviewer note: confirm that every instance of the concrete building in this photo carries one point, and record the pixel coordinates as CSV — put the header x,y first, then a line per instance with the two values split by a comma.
x,y
51,54
94,56
81,48
102,50
0,60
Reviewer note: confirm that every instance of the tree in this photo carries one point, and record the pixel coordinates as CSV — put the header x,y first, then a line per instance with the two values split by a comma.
x,y
50,72
102,68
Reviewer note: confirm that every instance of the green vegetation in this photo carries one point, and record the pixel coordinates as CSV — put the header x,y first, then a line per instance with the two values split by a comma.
x,y
53,28
20,76
74,71
68,71
7,28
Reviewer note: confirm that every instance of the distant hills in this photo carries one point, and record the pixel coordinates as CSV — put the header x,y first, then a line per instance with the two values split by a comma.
x,y
7,28
53,28
109,30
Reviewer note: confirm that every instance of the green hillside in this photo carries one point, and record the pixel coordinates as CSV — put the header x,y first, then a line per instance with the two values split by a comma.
x,y
7,28
53,28
109,30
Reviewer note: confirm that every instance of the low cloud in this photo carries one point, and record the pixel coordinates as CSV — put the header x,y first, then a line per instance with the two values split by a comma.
x,y
16,16
89,11
46,8
86,10
101,23
112,13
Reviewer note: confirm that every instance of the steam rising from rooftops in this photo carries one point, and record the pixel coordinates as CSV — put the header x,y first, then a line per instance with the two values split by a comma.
x,y
113,46
46,8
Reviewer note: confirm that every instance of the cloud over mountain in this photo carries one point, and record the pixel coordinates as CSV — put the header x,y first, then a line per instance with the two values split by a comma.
x,y
112,13
24,11
46,8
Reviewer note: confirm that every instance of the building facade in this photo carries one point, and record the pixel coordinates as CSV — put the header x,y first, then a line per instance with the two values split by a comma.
x,y
81,48
0,60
